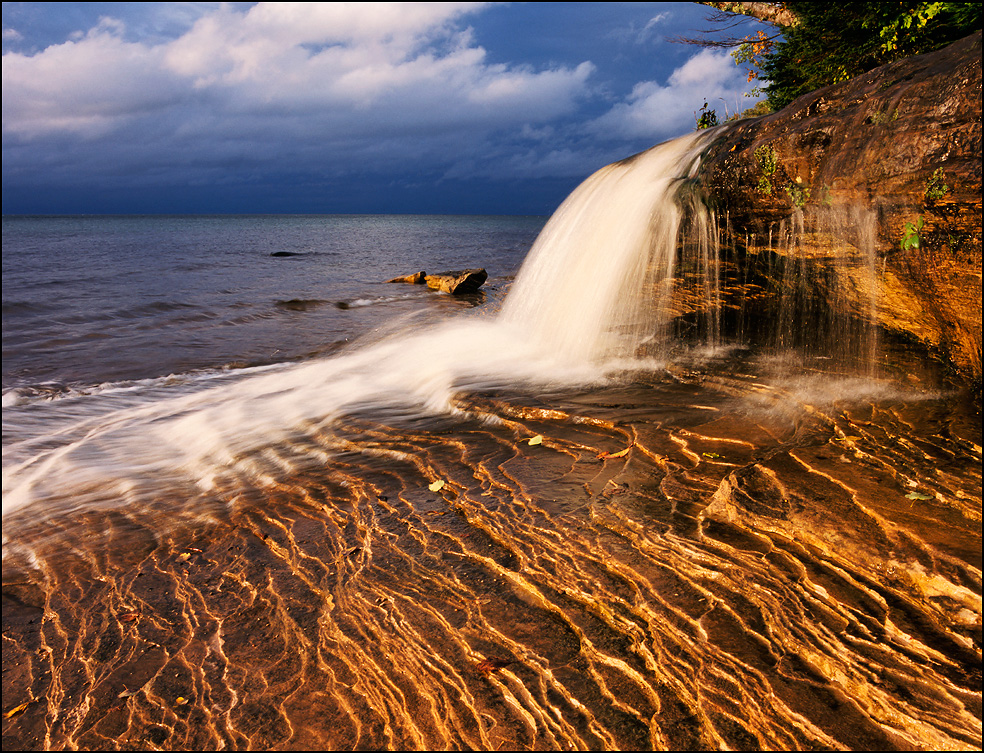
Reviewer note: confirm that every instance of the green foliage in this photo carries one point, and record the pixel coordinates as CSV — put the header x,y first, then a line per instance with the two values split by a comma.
x,y
706,119
910,234
761,107
835,41
768,164
767,159
880,118
936,187
758,109
798,194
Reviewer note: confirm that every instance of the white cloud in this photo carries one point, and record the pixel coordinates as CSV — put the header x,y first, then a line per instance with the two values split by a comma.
x,y
356,66
84,86
633,33
657,111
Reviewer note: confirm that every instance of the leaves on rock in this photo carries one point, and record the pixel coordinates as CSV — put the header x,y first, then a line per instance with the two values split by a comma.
x,y
538,439
917,495
619,454
437,485
491,665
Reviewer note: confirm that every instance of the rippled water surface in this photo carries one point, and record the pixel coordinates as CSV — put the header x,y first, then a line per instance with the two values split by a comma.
x,y
456,536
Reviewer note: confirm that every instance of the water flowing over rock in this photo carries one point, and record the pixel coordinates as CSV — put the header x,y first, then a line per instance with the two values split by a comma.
x,y
898,148
662,501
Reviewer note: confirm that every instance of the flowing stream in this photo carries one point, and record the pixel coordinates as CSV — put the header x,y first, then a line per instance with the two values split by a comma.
x,y
594,521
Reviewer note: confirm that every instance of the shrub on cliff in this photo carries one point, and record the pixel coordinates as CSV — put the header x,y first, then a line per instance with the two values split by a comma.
x,y
833,42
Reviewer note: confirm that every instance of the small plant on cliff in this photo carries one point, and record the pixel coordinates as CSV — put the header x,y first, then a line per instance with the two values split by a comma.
x,y
910,234
798,194
880,118
706,119
936,187
768,163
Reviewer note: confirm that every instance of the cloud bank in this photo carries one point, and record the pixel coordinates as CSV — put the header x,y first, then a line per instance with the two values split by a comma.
x,y
320,91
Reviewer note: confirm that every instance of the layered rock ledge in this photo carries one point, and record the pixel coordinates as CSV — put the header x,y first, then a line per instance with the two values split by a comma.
x,y
903,142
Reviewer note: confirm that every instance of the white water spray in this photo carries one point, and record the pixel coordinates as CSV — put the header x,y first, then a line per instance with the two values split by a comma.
x,y
594,288
598,280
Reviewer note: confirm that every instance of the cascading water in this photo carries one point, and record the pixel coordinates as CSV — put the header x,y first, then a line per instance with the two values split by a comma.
x,y
598,284
598,281
469,536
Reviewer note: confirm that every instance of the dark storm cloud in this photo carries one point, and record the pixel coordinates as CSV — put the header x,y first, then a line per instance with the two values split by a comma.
x,y
249,98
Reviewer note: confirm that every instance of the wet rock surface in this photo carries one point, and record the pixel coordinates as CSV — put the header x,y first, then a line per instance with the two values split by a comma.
x,y
693,561
458,282
903,142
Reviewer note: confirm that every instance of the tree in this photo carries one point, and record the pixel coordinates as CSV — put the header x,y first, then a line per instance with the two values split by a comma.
x,y
815,44
832,43
777,14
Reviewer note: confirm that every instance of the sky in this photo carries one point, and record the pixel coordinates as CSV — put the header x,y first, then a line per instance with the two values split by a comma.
x,y
432,108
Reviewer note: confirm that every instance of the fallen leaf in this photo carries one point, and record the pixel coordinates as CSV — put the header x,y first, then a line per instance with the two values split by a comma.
x,y
846,439
619,454
184,556
490,666
711,455
538,439
437,485
16,711
917,495
181,700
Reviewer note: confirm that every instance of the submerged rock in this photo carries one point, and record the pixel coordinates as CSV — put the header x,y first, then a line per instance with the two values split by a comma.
x,y
301,304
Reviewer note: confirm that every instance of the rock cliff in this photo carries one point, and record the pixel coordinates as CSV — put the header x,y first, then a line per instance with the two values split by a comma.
x,y
901,145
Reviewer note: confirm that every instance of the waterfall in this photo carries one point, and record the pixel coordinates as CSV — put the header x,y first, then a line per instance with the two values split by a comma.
x,y
633,263
629,267
598,282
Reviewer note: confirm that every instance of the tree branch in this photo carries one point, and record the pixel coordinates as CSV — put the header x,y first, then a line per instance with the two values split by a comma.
x,y
776,14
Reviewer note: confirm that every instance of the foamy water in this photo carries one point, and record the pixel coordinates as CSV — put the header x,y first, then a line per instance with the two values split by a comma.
x,y
580,301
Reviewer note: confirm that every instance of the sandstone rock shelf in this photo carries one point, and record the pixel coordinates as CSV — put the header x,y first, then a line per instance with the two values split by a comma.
x,y
902,142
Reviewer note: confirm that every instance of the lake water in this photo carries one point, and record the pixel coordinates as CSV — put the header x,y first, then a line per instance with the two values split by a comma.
x,y
271,501
94,299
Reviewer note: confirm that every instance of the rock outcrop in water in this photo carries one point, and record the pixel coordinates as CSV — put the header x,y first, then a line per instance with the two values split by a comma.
x,y
902,142
455,283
